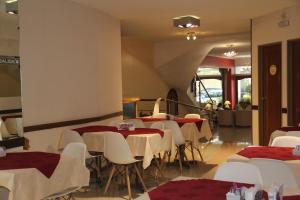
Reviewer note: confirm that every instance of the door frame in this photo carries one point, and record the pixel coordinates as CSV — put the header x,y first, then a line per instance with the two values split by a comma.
x,y
261,80
290,79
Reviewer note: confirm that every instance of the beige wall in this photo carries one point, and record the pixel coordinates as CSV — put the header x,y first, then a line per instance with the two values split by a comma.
x,y
9,36
71,64
265,30
140,78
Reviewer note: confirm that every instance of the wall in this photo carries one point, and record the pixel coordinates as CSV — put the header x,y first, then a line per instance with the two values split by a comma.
x,y
71,65
140,78
265,30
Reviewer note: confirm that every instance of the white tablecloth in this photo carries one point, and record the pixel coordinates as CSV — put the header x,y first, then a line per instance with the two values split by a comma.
x,y
31,184
191,133
294,165
146,145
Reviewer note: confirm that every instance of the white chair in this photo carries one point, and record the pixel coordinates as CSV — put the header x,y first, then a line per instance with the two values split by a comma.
x,y
158,125
14,126
160,115
293,133
75,150
138,123
3,130
178,139
197,116
240,172
156,107
93,161
286,141
115,122
117,151
274,171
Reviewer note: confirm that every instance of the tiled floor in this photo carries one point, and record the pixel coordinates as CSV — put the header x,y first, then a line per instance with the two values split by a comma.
x,y
226,142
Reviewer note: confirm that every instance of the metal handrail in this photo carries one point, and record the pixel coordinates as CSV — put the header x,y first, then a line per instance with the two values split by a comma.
x,y
184,104
204,88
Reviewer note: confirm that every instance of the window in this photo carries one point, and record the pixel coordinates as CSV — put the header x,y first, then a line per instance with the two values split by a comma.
x,y
244,90
245,70
212,81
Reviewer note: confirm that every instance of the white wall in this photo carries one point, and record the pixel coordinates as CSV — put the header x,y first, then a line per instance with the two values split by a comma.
x,y
71,64
140,78
265,30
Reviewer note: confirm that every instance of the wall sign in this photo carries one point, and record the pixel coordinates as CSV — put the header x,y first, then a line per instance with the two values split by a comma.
x,y
7,60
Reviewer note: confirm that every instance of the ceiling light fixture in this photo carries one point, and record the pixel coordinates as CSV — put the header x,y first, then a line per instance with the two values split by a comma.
x,y
188,21
231,52
191,35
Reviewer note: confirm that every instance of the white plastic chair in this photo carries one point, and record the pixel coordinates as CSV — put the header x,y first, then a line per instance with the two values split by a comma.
x,y
75,150
158,125
156,107
286,141
117,151
160,115
274,171
138,123
240,172
197,116
115,122
3,130
293,133
178,139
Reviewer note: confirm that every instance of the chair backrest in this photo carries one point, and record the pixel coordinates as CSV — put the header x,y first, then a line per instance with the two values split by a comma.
x,y
160,115
138,123
293,133
76,150
241,172
156,106
286,141
274,171
115,122
3,130
197,116
70,136
158,125
116,149
175,130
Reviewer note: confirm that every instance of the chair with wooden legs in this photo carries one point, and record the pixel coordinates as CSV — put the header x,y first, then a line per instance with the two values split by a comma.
x,y
178,139
117,151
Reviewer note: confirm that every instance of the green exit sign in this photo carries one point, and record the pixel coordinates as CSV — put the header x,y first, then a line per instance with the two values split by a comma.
x,y
9,60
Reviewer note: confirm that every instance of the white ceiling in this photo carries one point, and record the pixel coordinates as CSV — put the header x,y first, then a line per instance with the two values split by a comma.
x,y
152,19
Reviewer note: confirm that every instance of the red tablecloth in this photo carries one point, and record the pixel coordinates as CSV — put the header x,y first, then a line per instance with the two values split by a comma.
x,y
201,189
204,189
290,128
277,153
151,119
10,116
182,121
88,129
46,163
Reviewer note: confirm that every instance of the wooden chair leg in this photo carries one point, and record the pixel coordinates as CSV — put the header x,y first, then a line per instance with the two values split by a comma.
x,y
158,166
140,177
128,183
200,154
109,179
192,150
180,160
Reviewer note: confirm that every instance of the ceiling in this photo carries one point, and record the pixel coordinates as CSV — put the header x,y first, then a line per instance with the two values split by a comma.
x,y
152,19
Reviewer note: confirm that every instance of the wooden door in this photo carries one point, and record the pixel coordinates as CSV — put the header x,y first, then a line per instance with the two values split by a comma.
x,y
294,82
270,90
172,106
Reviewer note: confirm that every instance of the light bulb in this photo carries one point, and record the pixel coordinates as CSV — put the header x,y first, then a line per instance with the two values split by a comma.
x,y
188,37
194,37
189,25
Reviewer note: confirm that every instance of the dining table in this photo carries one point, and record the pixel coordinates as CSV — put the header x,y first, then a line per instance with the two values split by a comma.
x,y
283,131
143,142
284,154
30,175
183,188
